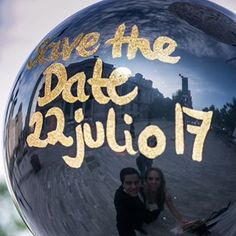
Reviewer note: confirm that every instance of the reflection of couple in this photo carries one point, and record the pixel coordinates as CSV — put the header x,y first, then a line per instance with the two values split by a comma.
x,y
136,204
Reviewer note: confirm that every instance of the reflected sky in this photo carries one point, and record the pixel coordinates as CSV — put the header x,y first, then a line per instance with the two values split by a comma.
x,y
206,75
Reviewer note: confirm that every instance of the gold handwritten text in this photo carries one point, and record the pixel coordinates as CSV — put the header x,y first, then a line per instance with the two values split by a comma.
x,y
118,77
200,131
85,46
163,46
108,131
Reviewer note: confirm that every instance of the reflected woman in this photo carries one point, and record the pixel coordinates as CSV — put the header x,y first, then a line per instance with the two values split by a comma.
x,y
155,196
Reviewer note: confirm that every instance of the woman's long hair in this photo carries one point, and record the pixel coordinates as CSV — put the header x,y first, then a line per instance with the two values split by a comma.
x,y
161,194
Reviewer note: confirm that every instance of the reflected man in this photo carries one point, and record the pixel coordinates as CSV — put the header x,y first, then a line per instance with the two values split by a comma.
x,y
130,209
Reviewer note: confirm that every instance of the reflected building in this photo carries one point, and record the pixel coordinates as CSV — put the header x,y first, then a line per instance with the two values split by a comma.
x,y
140,107
186,98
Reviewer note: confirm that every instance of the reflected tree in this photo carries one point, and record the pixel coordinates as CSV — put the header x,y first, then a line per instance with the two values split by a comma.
x,y
224,118
162,108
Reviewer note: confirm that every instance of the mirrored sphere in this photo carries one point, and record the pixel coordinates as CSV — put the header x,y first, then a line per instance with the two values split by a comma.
x,y
113,82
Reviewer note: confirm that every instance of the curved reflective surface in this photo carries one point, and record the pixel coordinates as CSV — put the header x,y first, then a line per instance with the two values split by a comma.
x,y
98,89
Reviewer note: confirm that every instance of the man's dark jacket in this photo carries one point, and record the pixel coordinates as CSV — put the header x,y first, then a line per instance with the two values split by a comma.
x,y
131,213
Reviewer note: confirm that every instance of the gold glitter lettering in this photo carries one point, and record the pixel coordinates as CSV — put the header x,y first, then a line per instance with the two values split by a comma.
x,y
179,130
40,59
200,131
80,78
128,137
33,140
117,41
88,44
57,135
55,54
67,48
163,54
135,43
145,149
97,83
111,132
88,41
85,46
118,77
49,95
90,142
84,135
76,162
